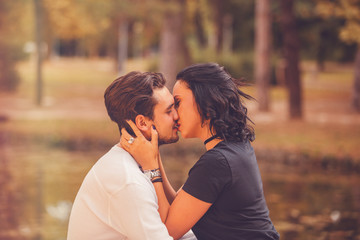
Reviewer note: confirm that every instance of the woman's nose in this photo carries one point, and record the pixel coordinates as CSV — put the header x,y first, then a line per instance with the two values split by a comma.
x,y
176,115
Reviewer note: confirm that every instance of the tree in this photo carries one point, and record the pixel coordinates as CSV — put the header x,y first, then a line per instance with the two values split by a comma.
x,y
219,17
199,26
356,88
291,55
173,49
348,10
84,22
9,78
262,52
123,45
38,40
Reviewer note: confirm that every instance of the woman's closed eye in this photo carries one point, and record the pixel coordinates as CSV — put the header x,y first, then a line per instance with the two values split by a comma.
x,y
176,103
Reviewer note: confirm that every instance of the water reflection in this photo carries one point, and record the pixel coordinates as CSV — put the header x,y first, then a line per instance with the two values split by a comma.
x,y
39,185
314,206
8,201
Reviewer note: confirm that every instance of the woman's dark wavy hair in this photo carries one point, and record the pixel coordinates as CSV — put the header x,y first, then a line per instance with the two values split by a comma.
x,y
219,99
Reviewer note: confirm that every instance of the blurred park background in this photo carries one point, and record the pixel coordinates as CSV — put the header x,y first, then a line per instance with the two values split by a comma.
x,y
300,57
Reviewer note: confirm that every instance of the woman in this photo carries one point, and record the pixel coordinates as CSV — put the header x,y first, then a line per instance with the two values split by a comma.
x,y
223,196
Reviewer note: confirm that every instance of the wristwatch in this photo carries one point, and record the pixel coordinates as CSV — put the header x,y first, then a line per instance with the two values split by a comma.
x,y
151,174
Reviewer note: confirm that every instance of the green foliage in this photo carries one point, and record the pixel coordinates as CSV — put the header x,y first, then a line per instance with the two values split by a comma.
x,y
243,23
348,10
237,64
93,25
92,28
319,37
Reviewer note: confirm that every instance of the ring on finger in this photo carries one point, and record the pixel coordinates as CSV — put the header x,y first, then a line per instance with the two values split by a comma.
x,y
131,140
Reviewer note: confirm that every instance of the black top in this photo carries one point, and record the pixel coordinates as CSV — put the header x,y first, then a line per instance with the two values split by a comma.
x,y
228,177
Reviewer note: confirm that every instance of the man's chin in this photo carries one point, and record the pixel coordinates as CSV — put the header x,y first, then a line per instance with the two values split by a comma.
x,y
168,141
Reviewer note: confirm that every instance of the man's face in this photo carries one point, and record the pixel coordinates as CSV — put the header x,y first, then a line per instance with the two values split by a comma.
x,y
165,116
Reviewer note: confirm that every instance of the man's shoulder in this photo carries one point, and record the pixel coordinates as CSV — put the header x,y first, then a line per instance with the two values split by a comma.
x,y
116,169
116,159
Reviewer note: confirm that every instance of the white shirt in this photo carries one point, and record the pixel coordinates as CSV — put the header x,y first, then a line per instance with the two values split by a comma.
x,y
117,201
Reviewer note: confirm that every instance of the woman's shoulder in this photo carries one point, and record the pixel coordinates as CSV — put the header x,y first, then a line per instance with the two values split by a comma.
x,y
230,148
213,158
224,153
236,152
225,145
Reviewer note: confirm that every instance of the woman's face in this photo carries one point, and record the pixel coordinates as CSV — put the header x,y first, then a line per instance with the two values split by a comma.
x,y
189,117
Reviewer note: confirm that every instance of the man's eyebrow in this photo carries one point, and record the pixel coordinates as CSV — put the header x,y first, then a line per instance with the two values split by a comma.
x,y
169,107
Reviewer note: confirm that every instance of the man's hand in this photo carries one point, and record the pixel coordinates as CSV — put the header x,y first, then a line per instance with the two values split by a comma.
x,y
146,153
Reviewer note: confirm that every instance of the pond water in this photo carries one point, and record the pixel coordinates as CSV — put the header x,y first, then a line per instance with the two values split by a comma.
x,y
39,185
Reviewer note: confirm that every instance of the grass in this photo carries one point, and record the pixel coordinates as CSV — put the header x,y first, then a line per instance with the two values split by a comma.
x,y
316,140
74,115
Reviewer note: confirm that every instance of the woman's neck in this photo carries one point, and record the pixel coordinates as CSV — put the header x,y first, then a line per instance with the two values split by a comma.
x,y
205,135
212,143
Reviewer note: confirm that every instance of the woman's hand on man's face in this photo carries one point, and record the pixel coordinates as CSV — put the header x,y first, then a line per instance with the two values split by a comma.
x,y
146,153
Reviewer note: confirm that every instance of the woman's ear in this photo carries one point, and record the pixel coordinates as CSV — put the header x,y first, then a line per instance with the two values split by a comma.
x,y
143,123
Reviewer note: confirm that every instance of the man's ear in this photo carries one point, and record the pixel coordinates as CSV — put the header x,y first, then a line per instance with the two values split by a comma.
x,y
143,123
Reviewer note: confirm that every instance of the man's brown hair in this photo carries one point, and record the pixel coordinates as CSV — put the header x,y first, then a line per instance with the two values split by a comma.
x,y
131,95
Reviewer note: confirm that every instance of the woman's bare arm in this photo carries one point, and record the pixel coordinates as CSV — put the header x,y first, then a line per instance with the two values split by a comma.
x,y
168,189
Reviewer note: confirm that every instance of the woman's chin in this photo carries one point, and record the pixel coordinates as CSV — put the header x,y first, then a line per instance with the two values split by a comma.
x,y
186,135
183,134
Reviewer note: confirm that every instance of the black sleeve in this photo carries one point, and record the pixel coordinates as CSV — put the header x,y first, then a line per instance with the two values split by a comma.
x,y
208,177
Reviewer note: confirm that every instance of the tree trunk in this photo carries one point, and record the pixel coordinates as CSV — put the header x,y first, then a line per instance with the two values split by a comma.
x,y
321,51
219,16
122,46
9,79
138,39
199,27
356,89
262,52
227,33
38,40
170,46
291,54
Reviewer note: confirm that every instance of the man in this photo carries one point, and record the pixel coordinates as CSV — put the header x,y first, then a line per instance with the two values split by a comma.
x,y
116,199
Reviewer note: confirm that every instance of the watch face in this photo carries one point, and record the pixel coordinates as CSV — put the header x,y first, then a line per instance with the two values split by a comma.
x,y
155,174
151,174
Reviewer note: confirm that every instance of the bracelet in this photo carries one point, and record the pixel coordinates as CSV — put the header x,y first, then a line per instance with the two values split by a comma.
x,y
159,179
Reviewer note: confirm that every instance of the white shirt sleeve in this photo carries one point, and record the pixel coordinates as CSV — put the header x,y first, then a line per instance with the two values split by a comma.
x,y
133,211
